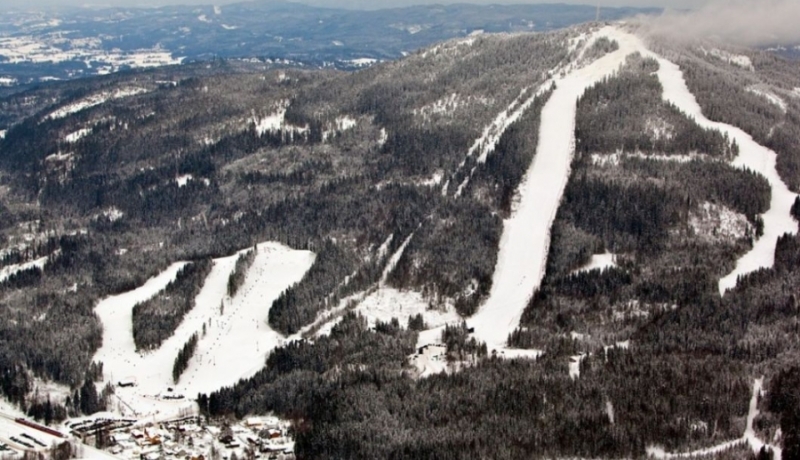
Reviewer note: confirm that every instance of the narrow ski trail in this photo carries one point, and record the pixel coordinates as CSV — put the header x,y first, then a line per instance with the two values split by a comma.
x,y
526,234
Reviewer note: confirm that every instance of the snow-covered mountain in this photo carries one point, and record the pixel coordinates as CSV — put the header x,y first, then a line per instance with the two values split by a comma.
x,y
579,243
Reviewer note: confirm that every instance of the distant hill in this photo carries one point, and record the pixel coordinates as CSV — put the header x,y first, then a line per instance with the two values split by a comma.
x,y
67,43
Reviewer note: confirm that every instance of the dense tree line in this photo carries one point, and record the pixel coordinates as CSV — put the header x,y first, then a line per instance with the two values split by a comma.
x,y
184,356
460,345
361,405
156,319
724,97
243,263
784,401
626,112
496,181
299,304
452,255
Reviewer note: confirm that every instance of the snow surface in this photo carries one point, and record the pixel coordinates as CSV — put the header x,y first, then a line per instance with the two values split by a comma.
x,y
236,343
575,365
340,125
277,122
3,133
183,180
599,261
770,97
715,223
735,59
77,135
526,234
10,270
93,101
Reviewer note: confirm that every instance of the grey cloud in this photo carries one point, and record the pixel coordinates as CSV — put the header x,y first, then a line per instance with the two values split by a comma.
x,y
744,22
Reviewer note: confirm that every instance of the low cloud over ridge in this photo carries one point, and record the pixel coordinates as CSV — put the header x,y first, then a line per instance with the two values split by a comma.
x,y
743,22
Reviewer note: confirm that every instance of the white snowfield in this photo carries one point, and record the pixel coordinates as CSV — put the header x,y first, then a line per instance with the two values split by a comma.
x,y
237,339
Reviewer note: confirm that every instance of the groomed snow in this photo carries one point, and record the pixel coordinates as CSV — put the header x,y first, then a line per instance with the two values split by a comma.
x,y
526,234
777,220
237,338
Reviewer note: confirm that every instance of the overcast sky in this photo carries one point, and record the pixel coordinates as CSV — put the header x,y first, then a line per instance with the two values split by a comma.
x,y
361,4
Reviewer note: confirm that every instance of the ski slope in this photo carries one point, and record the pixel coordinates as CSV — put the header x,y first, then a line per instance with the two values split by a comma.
x,y
237,338
778,219
526,234
525,240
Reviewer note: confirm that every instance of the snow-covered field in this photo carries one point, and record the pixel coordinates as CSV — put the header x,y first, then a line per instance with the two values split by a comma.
x,y
237,338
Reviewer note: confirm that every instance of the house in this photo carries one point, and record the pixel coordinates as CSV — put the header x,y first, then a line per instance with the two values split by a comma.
x,y
127,383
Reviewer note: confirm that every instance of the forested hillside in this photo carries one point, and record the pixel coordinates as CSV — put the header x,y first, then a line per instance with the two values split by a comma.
x,y
401,179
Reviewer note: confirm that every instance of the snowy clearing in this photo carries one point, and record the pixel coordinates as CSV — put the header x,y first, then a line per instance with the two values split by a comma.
x,y
387,303
77,135
93,101
341,125
276,122
235,345
3,133
771,97
599,261
734,59
11,270
717,223
183,180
